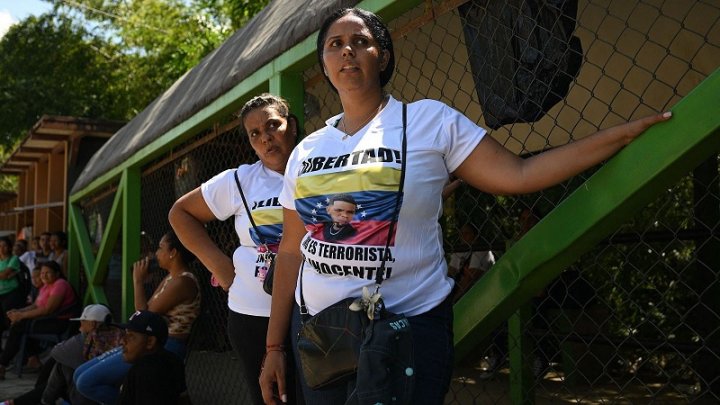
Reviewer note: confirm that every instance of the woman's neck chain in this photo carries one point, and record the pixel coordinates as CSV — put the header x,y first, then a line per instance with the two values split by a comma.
x,y
369,118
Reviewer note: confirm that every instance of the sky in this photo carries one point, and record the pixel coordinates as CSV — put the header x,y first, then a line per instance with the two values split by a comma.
x,y
12,11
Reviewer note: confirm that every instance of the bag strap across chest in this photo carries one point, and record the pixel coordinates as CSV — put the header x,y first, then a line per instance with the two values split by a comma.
x,y
247,208
391,228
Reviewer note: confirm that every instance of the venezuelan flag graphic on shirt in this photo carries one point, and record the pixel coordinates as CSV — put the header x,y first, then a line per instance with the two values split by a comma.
x,y
269,223
352,207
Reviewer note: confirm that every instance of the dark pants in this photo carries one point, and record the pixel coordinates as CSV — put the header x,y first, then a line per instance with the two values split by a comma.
x,y
54,381
60,385
33,396
18,329
247,335
12,300
433,351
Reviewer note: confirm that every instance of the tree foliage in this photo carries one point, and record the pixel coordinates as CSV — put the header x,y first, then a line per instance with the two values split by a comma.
x,y
160,40
50,65
106,58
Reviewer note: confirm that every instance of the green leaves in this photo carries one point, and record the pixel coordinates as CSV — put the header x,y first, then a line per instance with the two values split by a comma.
x,y
163,39
106,58
49,65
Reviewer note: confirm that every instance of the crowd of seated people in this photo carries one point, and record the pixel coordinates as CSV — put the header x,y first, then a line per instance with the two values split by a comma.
x,y
20,287
54,381
176,300
49,313
96,361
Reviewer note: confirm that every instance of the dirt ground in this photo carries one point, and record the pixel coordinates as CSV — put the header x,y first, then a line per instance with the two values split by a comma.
x,y
14,386
475,386
469,386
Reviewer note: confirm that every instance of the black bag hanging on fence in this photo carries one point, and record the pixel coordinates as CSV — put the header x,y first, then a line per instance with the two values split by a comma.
x,y
523,56
356,336
268,256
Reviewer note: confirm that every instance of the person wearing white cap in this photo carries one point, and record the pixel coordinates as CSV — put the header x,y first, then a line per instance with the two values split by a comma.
x,y
96,337
93,313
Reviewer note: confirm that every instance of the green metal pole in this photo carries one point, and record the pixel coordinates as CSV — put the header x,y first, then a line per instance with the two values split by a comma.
x,y
73,252
81,254
520,346
291,87
131,235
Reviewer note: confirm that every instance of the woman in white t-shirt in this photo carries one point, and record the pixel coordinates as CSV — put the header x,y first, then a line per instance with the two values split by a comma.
x,y
272,131
358,153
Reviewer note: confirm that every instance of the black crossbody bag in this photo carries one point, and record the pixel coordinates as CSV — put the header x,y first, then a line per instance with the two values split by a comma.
x,y
355,335
267,255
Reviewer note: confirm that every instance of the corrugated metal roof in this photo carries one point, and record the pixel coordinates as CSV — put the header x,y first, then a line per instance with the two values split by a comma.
x,y
278,27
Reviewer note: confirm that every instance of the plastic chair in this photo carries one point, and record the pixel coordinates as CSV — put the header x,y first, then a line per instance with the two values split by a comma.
x,y
49,338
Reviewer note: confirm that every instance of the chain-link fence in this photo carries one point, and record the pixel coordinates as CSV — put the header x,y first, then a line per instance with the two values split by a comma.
x,y
637,319
164,181
212,370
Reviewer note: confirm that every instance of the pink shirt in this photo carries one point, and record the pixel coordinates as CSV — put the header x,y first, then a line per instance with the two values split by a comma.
x,y
59,288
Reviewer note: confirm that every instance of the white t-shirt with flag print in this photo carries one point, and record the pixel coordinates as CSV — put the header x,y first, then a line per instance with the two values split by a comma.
x,y
261,187
366,166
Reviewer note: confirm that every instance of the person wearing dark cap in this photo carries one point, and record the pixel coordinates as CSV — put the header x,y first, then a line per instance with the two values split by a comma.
x,y
176,298
157,376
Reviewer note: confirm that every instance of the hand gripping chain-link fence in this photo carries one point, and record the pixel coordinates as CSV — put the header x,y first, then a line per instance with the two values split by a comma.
x,y
635,320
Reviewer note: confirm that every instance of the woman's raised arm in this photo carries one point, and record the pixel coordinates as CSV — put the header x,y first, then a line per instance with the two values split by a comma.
x,y
494,169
